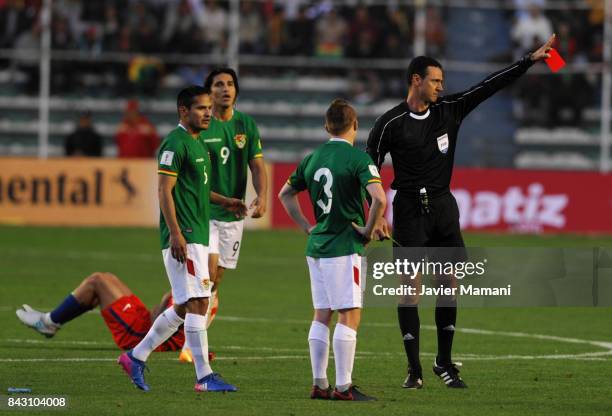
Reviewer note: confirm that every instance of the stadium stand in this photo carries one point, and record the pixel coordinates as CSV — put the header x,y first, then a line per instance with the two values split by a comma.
x,y
288,100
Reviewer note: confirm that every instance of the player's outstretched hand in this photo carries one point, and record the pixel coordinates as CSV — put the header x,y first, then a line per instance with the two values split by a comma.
x,y
260,207
542,52
178,247
236,206
363,232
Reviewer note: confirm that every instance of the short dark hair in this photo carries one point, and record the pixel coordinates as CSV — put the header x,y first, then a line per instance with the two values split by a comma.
x,y
187,95
419,66
217,71
339,116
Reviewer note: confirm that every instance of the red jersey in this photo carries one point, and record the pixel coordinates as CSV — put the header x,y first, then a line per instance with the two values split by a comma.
x,y
137,140
129,320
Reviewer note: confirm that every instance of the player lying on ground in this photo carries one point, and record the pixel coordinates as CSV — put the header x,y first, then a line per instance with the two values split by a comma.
x,y
127,318
337,176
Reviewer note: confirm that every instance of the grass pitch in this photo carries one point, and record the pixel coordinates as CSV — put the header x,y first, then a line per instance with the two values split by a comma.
x,y
555,366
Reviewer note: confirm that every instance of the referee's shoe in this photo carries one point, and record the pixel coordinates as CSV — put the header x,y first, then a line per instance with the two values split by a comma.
x,y
450,375
414,381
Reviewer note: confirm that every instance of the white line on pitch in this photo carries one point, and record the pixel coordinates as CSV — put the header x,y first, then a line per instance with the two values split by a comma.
x,y
306,357
362,354
601,344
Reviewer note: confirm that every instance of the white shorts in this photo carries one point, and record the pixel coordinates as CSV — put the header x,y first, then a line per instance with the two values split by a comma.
x,y
225,239
336,282
190,279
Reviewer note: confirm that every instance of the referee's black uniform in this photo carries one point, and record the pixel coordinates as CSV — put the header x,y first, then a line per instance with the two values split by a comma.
x,y
425,213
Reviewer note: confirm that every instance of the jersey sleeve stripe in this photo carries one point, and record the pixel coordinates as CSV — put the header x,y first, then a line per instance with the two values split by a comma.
x,y
374,180
166,172
257,156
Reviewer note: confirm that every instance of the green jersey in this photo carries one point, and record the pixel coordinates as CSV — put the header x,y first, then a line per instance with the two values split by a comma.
x,y
231,144
335,175
186,158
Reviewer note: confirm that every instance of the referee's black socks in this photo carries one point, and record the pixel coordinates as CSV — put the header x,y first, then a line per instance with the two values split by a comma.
x,y
410,325
446,318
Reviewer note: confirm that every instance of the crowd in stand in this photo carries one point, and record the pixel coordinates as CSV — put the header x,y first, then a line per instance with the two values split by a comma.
x,y
558,100
320,28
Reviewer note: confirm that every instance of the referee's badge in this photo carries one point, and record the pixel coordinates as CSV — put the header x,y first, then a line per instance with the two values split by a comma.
x,y
443,143
240,140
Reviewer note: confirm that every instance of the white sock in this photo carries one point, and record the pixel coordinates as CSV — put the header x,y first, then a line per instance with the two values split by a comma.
x,y
164,326
318,341
46,318
345,341
197,339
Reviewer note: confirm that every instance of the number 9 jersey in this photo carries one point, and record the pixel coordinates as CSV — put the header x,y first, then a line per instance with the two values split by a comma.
x,y
335,175
231,145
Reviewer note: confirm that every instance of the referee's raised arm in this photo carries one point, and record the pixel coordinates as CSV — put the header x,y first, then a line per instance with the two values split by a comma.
x,y
464,102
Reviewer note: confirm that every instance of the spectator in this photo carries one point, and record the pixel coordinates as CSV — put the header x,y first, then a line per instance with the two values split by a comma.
x,y
144,27
522,7
179,27
533,29
111,29
594,29
292,8
363,35
251,29
435,34
62,72
213,18
276,28
565,42
300,33
144,74
398,24
27,51
136,136
15,18
331,30
84,140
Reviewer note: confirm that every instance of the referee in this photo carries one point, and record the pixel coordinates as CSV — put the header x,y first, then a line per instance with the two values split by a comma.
x,y
421,135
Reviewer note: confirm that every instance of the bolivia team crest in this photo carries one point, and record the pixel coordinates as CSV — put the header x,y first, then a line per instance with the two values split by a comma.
x,y
240,140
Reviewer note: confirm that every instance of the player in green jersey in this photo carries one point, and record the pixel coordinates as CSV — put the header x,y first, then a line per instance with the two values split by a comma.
x,y
337,177
235,147
184,200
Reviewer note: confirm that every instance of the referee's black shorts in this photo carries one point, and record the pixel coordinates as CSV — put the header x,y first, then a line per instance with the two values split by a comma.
x,y
438,228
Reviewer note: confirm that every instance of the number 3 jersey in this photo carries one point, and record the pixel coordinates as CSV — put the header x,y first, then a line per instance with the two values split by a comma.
x,y
335,175
231,145
186,158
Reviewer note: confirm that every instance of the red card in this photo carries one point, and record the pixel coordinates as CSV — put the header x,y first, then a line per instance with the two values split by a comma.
x,y
555,62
